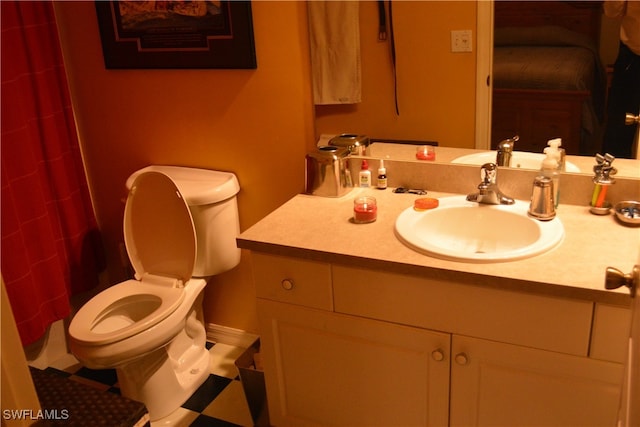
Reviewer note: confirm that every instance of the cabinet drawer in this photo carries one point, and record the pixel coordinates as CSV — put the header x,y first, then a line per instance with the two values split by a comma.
x,y
538,321
611,330
292,280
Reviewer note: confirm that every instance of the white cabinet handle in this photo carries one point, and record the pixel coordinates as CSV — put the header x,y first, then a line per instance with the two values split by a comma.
x,y
287,284
462,359
438,355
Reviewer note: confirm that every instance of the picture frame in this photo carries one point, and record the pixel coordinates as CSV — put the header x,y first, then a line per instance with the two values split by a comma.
x,y
176,34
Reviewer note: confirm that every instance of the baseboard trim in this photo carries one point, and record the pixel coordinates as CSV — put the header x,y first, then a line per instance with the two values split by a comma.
x,y
230,336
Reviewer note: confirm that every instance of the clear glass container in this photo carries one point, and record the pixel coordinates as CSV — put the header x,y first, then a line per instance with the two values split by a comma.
x,y
365,209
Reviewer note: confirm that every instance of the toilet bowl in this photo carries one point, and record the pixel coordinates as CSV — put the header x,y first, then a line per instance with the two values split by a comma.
x,y
180,226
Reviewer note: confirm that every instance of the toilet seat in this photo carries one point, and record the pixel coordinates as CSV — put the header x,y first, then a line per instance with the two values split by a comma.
x,y
161,243
124,310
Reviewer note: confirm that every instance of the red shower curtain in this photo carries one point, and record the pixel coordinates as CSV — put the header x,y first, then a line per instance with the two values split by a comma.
x,y
50,243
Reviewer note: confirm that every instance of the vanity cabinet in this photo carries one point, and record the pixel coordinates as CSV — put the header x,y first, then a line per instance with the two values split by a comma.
x,y
353,346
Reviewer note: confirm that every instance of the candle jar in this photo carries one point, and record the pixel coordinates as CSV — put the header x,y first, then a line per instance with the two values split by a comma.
x,y
365,209
426,152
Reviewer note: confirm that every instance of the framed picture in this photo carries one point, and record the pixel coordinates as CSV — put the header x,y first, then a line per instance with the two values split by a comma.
x,y
176,34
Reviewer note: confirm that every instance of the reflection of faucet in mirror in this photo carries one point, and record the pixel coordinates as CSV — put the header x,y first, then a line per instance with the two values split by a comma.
x,y
505,148
488,192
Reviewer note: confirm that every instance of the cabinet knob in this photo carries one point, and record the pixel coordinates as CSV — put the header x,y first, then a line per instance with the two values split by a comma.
x,y
438,355
287,284
462,359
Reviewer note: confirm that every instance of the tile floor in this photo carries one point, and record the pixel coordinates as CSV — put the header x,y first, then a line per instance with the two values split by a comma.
x,y
220,401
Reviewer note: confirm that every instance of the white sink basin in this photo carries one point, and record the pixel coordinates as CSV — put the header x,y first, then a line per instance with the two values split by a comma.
x,y
519,159
467,231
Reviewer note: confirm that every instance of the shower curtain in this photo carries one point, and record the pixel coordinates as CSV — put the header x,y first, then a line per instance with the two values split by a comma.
x,y
50,242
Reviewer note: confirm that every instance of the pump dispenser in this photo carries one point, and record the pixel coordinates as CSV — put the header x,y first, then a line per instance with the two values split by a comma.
x,y
551,169
555,145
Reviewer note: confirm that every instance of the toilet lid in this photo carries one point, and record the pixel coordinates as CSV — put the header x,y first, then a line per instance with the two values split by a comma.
x,y
158,229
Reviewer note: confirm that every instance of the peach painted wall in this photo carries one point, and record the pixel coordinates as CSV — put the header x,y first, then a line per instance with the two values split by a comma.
x,y
255,123
436,88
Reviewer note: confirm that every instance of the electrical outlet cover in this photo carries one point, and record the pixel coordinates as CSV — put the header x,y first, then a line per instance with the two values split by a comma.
x,y
461,41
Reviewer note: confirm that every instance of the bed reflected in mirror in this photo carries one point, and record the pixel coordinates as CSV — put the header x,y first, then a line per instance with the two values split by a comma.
x,y
548,77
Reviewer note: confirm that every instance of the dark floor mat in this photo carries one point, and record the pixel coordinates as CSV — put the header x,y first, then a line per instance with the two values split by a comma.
x,y
69,403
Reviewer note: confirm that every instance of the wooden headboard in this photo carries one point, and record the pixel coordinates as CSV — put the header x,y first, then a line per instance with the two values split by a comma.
x,y
579,16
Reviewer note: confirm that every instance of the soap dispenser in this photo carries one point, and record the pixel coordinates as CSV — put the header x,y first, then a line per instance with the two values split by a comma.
x,y
556,145
550,168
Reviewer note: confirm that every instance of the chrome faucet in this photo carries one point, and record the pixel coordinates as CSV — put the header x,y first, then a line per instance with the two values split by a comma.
x,y
488,192
505,148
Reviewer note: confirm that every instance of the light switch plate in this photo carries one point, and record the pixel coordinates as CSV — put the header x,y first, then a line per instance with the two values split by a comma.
x,y
461,41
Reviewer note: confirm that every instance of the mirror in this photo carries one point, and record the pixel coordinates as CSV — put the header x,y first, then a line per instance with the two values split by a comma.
x,y
583,165
443,70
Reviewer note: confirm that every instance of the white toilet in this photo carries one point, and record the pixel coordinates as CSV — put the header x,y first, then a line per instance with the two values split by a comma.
x,y
180,226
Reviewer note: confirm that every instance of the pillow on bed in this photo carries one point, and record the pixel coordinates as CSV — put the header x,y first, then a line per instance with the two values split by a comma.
x,y
540,36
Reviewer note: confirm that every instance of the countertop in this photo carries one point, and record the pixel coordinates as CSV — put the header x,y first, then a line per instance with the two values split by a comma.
x,y
321,229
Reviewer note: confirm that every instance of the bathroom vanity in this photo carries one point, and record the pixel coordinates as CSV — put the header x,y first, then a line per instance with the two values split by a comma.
x,y
359,329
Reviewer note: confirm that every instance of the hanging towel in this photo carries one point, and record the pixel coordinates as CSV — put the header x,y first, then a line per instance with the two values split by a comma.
x,y
334,30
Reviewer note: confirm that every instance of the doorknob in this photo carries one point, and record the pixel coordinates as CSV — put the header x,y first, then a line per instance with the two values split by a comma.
x,y
615,278
630,119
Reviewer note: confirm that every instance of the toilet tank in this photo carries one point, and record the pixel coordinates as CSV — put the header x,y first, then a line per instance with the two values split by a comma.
x,y
211,197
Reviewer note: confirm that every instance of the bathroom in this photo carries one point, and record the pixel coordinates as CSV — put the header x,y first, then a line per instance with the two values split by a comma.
x,y
256,123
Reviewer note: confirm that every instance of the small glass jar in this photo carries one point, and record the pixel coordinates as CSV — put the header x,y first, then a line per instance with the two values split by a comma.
x,y
365,209
426,152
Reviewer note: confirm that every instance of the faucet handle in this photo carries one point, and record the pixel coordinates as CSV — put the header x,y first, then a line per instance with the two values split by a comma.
x,y
507,144
488,192
488,173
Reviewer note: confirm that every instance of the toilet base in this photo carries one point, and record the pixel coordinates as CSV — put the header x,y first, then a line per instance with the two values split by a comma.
x,y
164,379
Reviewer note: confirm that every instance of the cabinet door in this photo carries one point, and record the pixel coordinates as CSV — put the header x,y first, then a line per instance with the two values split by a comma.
x,y
323,368
496,384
